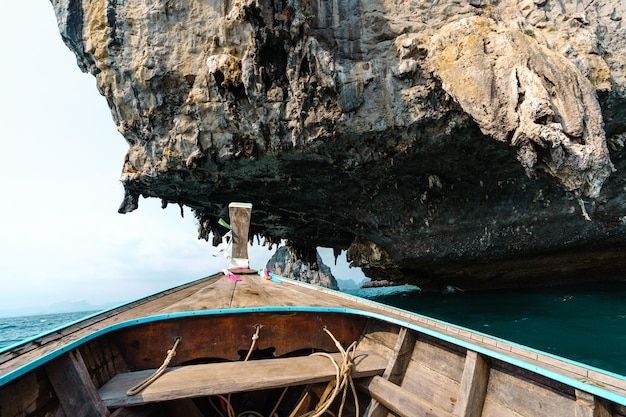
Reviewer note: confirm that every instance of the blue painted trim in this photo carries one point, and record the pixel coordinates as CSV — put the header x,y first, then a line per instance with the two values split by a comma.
x,y
90,316
509,342
611,396
477,332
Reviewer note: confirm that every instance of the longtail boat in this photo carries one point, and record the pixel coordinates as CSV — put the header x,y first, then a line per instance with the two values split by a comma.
x,y
248,343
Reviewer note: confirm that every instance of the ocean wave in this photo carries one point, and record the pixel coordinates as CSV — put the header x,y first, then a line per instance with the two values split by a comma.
x,y
16,329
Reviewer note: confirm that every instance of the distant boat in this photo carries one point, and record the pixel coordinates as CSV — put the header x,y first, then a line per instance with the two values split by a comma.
x,y
239,344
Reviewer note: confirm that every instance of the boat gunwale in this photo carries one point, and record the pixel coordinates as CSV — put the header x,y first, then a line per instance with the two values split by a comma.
x,y
567,380
444,325
104,314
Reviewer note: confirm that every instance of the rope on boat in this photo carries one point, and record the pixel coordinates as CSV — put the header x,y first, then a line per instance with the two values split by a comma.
x,y
226,400
343,379
255,337
143,384
280,399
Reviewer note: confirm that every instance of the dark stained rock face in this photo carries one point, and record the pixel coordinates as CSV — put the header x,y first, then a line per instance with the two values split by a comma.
x,y
474,144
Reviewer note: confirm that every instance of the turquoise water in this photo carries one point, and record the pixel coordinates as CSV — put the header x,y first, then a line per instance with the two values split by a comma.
x,y
585,323
16,329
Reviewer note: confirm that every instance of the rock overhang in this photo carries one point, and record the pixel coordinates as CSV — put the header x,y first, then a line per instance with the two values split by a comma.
x,y
415,138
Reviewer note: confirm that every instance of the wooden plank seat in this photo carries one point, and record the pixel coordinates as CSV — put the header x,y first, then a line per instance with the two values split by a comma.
x,y
231,377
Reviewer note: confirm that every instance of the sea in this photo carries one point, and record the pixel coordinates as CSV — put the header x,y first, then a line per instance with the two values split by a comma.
x,y
16,329
585,323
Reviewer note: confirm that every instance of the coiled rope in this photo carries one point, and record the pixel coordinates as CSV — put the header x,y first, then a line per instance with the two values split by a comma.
x,y
343,379
143,384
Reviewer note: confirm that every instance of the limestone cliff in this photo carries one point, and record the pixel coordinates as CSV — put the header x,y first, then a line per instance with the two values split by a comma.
x,y
283,263
471,143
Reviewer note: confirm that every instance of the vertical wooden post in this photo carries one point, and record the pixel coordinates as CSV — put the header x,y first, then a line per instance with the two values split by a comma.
x,y
240,214
473,386
588,405
395,369
73,386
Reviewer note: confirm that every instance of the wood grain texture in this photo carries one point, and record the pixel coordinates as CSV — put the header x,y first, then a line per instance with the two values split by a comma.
x,y
588,405
473,386
23,354
401,401
240,225
28,395
435,373
396,368
74,388
230,377
527,397
226,337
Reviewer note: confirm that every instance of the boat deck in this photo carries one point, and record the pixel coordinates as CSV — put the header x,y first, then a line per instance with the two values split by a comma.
x,y
219,292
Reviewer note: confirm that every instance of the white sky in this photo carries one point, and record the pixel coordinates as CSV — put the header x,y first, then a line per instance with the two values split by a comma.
x,y
61,238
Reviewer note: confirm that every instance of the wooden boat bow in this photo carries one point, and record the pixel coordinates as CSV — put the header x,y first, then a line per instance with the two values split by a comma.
x,y
415,349
410,365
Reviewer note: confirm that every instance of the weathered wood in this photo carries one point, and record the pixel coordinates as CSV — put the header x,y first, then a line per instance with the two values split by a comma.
x,y
473,386
396,368
230,377
249,290
240,214
588,405
380,338
215,295
312,395
284,294
24,354
252,291
102,359
401,356
496,409
27,395
508,393
434,374
73,386
399,400
442,358
227,336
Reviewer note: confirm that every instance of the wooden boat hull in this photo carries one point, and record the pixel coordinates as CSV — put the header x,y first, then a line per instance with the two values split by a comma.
x,y
405,364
